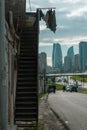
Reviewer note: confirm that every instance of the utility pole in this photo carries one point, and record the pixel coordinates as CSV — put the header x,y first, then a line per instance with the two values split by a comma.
x,y
3,86
44,76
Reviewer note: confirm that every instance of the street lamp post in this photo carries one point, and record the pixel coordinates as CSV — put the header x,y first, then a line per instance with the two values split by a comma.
x,y
44,80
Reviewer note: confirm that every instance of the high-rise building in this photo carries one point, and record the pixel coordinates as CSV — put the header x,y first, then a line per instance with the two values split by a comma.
x,y
77,62
42,62
70,54
67,64
57,56
83,55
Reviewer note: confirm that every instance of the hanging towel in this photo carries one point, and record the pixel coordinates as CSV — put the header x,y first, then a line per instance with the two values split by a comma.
x,y
50,20
53,23
41,14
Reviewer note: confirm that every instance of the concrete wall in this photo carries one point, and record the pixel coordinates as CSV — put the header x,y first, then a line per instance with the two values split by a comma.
x,y
41,85
18,7
12,43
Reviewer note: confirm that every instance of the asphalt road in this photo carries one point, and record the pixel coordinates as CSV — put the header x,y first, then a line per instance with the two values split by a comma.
x,y
71,107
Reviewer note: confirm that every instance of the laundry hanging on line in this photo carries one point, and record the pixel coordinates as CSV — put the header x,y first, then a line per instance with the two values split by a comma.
x,y
49,18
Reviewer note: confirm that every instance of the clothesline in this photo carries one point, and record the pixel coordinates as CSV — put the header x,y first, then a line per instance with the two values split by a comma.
x,y
46,8
49,18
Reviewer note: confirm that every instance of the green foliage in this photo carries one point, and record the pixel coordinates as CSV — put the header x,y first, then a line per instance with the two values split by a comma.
x,y
49,83
41,95
80,78
40,127
29,128
59,86
82,90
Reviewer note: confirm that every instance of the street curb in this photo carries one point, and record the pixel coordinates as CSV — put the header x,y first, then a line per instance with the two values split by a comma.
x,y
58,117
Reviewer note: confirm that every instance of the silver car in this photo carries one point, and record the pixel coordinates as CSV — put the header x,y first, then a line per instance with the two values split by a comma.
x,y
71,88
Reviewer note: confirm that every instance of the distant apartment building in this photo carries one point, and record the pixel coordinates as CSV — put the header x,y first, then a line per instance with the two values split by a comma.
x,y
42,62
42,66
67,64
70,54
83,56
77,62
57,56
49,69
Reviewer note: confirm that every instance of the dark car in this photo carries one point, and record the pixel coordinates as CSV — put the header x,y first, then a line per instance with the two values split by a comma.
x,y
51,88
71,88
68,88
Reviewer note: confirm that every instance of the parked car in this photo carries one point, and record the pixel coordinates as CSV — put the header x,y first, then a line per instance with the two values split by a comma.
x,y
68,88
71,88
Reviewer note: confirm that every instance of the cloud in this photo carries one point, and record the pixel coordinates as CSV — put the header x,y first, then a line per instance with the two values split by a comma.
x,y
71,41
65,41
78,12
45,44
63,9
62,27
71,1
42,27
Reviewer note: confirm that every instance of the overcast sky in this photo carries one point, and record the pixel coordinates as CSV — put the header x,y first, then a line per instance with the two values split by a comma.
x,y
71,20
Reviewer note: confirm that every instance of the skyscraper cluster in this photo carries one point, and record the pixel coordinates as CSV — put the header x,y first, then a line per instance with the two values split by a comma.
x,y
72,62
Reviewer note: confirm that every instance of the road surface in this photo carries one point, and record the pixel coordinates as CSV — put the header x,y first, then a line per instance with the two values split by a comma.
x,y
71,107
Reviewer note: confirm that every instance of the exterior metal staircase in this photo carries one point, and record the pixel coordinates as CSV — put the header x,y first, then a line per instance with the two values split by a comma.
x,y
26,102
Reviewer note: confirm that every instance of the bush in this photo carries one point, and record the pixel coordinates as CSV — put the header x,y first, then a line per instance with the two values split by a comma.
x,y
40,127
59,86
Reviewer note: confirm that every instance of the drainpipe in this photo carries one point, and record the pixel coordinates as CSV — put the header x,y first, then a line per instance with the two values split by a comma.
x,y
3,86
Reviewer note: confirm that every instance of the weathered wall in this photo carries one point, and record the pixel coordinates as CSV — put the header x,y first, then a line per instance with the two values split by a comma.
x,y
18,8
11,50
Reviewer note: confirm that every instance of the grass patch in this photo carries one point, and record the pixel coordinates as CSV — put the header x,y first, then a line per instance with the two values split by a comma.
x,y
79,78
40,127
41,95
82,90
59,86
29,128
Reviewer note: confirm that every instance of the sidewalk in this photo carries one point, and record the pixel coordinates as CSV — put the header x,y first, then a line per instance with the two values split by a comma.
x,y
48,118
